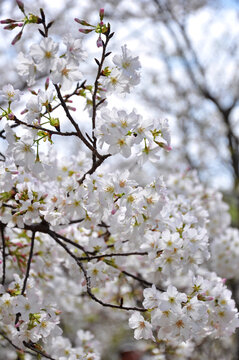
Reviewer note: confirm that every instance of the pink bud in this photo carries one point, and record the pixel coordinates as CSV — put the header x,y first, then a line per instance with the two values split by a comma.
x,y
102,13
19,244
24,111
11,116
167,147
47,83
99,42
20,5
82,22
10,27
113,211
32,91
17,38
85,31
7,21
71,108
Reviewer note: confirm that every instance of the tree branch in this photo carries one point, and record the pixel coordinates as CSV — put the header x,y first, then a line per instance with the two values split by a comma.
x,y
79,133
28,263
2,227
88,282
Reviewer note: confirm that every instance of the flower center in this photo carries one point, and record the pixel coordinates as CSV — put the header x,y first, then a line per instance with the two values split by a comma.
x,y
65,71
48,54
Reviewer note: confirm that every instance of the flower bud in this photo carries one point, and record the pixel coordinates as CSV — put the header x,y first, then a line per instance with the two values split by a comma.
x,y
33,92
47,83
10,27
102,13
20,5
82,22
85,31
56,123
33,19
113,211
167,147
17,38
71,108
99,42
7,21
11,116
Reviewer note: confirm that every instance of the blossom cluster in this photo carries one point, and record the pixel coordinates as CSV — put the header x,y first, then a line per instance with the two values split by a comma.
x,y
124,75
66,224
121,131
44,58
176,316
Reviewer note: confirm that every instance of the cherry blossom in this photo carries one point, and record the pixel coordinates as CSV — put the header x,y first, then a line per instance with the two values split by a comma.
x,y
86,238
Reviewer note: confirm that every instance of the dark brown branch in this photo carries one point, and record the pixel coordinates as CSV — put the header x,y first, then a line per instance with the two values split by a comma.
x,y
28,263
51,132
88,281
2,226
76,221
79,133
3,131
32,347
15,346
140,279
52,233
43,227
3,157
100,63
95,165
89,258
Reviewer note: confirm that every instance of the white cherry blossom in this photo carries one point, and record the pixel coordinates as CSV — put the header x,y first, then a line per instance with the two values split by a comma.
x,y
65,73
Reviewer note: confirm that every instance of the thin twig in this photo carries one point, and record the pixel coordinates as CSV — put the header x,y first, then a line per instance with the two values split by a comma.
x,y
88,282
3,157
15,346
51,132
28,263
140,279
3,254
95,165
33,348
94,95
89,258
50,232
79,133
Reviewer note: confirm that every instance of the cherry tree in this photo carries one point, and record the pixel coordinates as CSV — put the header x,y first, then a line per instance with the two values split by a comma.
x,y
78,239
